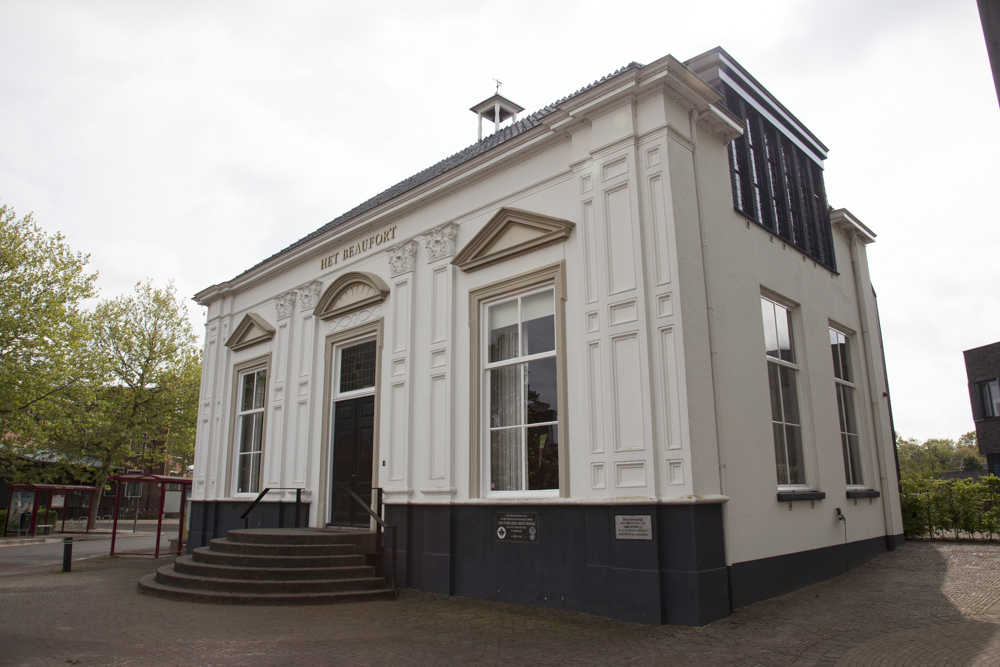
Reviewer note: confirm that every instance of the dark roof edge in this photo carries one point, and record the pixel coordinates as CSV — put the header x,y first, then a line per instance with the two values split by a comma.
x,y
467,154
734,65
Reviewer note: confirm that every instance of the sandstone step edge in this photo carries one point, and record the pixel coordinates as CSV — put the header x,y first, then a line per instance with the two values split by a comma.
x,y
206,555
171,578
148,585
301,536
187,565
226,546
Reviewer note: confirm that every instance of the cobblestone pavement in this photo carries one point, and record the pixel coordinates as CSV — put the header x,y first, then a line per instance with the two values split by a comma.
x,y
930,603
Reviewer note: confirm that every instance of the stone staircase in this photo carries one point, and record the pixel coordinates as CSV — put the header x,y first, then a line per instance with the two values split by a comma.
x,y
293,566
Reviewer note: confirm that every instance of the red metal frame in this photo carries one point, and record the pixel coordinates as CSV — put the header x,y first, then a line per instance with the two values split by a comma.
x,y
142,478
37,489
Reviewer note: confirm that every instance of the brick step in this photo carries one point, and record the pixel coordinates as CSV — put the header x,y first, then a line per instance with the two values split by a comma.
x,y
187,565
224,545
170,577
206,555
148,584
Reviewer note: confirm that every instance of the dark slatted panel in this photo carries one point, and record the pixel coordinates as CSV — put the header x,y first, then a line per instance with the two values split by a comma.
x,y
777,185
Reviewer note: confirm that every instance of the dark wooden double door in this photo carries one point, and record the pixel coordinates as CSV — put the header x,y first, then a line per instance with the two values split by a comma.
x,y
353,443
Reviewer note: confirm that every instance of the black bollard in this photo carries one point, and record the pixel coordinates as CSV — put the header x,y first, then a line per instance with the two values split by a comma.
x,y
67,554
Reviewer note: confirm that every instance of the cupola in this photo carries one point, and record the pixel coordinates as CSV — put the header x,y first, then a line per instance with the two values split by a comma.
x,y
496,109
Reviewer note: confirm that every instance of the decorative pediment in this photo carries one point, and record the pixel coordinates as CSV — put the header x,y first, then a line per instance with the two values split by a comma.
x,y
349,292
509,233
251,330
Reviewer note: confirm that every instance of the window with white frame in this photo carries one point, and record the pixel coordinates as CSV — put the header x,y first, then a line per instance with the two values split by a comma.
x,y
782,375
252,387
521,383
843,374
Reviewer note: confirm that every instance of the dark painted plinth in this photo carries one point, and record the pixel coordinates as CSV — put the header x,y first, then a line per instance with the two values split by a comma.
x,y
214,519
757,580
677,577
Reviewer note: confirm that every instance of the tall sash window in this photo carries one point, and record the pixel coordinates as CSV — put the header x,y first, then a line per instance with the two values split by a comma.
x,y
521,377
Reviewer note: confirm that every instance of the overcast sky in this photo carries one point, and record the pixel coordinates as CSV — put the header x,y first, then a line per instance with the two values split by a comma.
x,y
190,140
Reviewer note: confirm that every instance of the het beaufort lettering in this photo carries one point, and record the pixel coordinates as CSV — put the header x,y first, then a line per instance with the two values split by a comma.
x,y
356,249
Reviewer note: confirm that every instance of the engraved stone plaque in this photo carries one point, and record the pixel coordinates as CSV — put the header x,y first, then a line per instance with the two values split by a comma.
x,y
517,526
633,527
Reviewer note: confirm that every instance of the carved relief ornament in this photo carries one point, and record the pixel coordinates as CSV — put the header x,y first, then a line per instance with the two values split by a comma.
x,y
440,242
309,294
351,292
402,257
283,303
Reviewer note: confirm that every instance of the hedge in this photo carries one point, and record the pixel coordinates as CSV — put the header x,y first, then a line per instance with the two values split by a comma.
x,y
956,508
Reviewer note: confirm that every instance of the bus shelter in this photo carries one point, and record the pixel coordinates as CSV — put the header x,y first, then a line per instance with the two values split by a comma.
x,y
67,500
173,494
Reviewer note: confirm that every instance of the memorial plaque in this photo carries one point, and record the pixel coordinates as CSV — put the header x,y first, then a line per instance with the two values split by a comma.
x,y
633,527
517,526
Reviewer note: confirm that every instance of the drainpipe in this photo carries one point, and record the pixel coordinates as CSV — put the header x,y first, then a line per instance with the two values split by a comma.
x,y
869,364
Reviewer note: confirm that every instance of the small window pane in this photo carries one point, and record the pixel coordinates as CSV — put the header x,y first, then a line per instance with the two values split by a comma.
x,y
852,458
834,342
250,431
538,317
357,367
840,408
793,438
850,419
784,321
543,457
841,358
503,331
770,328
775,386
249,473
247,394
789,395
845,361
542,402
505,396
781,460
259,387
505,460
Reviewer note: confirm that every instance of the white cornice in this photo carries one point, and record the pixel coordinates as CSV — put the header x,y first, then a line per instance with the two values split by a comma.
x,y
842,220
525,144
667,71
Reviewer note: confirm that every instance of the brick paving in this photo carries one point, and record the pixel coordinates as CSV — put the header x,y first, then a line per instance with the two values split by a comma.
x,y
930,603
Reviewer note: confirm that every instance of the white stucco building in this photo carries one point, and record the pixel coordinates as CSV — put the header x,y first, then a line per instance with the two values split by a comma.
x,y
618,357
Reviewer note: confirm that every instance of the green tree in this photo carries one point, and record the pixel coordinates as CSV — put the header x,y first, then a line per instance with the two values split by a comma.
x,y
143,389
967,456
923,459
936,455
43,326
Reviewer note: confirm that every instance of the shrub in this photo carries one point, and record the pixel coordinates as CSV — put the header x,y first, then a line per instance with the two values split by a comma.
x,y
963,507
47,516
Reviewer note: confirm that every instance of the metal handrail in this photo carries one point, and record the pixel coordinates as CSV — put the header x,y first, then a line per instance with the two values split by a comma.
x,y
392,529
298,502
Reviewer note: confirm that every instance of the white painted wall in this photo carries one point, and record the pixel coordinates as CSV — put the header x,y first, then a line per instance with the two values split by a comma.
x,y
657,264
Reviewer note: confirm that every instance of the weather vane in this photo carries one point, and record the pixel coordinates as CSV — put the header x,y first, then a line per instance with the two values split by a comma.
x,y
499,83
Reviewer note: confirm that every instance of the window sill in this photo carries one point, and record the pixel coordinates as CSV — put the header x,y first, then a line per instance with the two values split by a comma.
x,y
791,496
863,493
